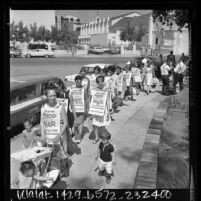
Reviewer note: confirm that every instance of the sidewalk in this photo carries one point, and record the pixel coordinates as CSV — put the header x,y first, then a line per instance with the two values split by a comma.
x,y
128,134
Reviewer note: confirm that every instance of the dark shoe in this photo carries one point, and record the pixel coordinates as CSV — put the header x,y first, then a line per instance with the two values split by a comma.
x,y
101,173
133,99
112,119
108,180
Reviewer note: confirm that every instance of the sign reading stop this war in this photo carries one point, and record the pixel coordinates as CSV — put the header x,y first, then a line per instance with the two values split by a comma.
x,y
98,102
51,121
78,97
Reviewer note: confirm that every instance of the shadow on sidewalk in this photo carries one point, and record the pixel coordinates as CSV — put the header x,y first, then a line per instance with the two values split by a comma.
x,y
84,132
130,156
72,147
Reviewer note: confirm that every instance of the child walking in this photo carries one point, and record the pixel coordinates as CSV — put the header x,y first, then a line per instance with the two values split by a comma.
x,y
106,156
29,134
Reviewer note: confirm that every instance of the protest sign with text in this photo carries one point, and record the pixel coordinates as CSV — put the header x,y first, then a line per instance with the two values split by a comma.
x,y
51,121
98,102
78,97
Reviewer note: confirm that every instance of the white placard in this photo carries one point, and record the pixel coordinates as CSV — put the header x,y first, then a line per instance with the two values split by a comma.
x,y
78,97
128,78
51,121
64,102
98,102
120,82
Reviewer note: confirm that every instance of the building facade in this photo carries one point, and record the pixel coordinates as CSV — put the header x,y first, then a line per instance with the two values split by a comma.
x,y
165,39
103,32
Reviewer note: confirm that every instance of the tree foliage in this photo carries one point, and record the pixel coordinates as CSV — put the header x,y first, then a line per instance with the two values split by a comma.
x,y
128,34
65,36
140,32
168,17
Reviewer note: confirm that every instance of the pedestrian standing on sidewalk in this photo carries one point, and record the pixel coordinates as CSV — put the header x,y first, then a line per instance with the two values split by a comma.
x,y
99,122
129,83
106,155
179,73
171,57
137,78
54,120
79,97
149,74
121,85
165,77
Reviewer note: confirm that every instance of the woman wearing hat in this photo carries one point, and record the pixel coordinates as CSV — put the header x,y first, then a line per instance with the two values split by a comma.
x,y
149,74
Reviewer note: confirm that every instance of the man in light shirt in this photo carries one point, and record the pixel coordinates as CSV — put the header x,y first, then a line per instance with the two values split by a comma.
x,y
165,77
179,73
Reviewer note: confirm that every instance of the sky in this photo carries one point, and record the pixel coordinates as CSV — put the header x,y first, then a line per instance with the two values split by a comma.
x,y
47,17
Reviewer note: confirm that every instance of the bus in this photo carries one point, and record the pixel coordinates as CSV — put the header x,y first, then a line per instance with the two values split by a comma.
x,y
38,49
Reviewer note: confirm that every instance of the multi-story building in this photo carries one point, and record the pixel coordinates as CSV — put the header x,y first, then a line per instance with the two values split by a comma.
x,y
106,31
69,20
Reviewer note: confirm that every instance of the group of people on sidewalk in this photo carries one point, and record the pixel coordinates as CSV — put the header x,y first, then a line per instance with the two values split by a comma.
x,y
94,99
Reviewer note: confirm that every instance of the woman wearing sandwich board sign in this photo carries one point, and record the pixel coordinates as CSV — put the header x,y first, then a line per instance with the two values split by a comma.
x,y
99,108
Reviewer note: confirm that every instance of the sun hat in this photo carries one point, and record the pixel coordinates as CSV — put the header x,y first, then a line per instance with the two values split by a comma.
x,y
144,61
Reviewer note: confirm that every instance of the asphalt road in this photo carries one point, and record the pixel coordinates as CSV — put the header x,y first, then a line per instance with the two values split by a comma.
x,y
26,68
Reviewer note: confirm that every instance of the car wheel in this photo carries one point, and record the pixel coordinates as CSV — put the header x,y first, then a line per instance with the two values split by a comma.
x,y
28,55
46,56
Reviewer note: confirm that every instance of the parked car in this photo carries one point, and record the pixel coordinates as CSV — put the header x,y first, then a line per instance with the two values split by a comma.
x,y
113,50
38,53
89,71
97,50
15,52
26,99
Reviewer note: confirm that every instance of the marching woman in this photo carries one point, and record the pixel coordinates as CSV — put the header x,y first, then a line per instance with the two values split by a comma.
x,y
149,74
137,78
86,84
54,120
64,98
110,81
79,98
99,122
93,84
129,83
121,85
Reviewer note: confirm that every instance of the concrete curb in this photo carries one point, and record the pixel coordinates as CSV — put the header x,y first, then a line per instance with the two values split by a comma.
x,y
146,176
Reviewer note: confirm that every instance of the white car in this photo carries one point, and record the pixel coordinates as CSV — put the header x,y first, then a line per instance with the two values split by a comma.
x,y
38,53
89,71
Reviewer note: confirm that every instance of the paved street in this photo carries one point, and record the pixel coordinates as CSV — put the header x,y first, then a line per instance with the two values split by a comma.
x,y
26,68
